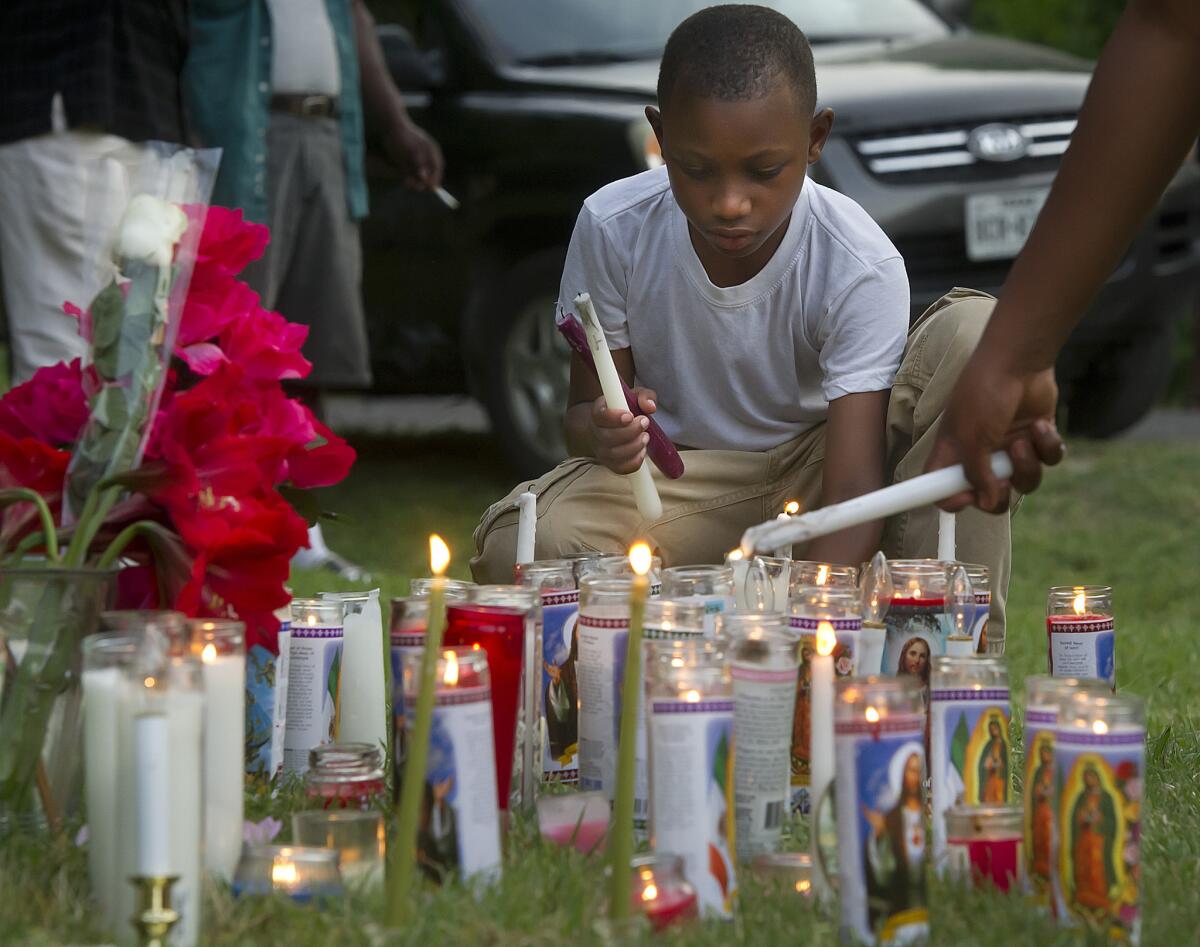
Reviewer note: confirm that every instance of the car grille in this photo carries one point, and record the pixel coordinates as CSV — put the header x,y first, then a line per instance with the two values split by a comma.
x,y
941,152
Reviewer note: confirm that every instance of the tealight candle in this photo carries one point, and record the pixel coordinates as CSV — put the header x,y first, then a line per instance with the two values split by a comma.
x,y
303,873
790,870
314,679
1099,759
220,646
661,891
1079,626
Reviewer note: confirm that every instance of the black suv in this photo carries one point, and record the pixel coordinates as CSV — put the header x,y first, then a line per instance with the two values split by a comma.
x,y
948,138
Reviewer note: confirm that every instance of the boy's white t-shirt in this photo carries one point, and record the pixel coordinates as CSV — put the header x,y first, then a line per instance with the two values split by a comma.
x,y
751,366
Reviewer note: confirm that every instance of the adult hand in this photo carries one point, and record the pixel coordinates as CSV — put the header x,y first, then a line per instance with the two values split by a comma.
x,y
415,152
619,437
995,408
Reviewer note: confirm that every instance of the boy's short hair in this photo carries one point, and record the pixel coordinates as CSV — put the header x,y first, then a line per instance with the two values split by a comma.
x,y
735,52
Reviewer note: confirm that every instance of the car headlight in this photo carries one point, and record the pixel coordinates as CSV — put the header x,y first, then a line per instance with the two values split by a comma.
x,y
645,146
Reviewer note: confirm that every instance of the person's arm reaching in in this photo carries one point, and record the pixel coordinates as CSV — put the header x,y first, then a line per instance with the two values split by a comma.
x,y
1140,118
409,147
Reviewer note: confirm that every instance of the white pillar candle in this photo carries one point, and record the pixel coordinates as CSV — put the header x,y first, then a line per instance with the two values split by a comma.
x,y
645,494
946,543
220,647
152,787
526,527
185,717
363,714
898,498
821,758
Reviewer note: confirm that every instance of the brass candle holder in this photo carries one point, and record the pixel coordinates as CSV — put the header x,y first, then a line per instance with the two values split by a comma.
x,y
155,917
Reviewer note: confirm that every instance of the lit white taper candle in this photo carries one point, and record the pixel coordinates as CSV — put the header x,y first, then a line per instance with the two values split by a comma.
x,y
645,493
946,539
526,527
821,761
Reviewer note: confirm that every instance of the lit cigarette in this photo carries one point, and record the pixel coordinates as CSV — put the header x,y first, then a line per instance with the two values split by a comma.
x,y
447,198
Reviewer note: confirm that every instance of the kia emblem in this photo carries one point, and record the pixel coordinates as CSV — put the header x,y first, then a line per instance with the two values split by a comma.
x,y
997,142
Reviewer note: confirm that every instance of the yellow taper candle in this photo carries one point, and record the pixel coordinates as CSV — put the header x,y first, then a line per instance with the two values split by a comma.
x,y
621,837
402,853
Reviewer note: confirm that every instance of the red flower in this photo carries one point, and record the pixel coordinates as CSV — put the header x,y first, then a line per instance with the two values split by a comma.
x,y
267,346
50,407
215,301
228,242
29,463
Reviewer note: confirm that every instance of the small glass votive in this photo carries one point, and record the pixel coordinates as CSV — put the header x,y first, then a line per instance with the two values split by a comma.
x,y
455,590
806,572
303,874
785,870
358,838
661,892
578,818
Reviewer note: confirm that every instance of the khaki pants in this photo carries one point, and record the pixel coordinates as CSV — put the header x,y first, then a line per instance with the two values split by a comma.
x,y
584,506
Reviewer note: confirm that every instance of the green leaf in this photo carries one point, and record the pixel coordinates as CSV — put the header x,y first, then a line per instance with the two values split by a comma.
x,y
106,311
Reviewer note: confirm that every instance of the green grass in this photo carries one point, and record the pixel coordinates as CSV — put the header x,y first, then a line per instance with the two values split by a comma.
x,y
1124,514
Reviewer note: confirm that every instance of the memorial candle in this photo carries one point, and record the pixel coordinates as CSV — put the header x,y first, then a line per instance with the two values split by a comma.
x,y
1080,632
621,843
362,714
821,761
152,784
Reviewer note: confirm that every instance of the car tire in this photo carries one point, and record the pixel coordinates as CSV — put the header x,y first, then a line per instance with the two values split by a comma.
x,y
521,364
1120,384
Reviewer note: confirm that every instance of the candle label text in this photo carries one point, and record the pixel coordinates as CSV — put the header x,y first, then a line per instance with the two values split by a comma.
x,y
313,692
1082,648
764,703
600,641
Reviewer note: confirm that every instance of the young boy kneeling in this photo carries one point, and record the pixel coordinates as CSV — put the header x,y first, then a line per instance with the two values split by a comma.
x,y
764,322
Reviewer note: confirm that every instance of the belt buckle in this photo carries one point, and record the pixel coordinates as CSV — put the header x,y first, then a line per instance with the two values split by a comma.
x,y
314,105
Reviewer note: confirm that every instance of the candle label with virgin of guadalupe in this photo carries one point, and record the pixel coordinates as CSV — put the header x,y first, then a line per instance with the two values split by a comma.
x,y
459,826
601,643
1039,798
313,690
969,752
1082,646
880,789
847,631
983,609
1097,876
560,687
764,699
692,787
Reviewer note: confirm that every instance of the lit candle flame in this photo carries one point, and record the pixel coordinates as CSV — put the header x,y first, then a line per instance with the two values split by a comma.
x,y
872,715
650,892
1099,726
822,574
640,558
803,886
149,682
792,507
209,653
439,554
735,555
676,662
451,674
826,639
692,697
283,872
1080,602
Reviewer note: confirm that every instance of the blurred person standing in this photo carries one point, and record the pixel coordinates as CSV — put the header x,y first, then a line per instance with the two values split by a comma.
x,y
281,86
80,81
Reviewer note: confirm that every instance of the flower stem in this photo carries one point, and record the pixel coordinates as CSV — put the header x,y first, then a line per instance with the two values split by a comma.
x,y
110,555
16,495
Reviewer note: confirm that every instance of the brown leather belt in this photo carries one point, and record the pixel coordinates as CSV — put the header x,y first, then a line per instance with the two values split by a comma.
x,y
305,105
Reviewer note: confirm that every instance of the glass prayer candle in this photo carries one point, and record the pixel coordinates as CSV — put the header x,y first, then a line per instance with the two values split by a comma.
x,y
459,825
406,635
760,583
302,873
527,753
1079,626
362,716
1099,760
879,731
661,891
314,679
220,644
664,619
618,565
501,632
357,837
602,632
764,655
456,590
558,689
708,586
984,846
582,563
345,776
981,585
805,572
173,625
689,723
917,622
811,605
579,819
969,752
792,871
1043,695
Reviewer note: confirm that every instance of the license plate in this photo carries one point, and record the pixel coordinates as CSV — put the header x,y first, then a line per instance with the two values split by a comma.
x,y
997,224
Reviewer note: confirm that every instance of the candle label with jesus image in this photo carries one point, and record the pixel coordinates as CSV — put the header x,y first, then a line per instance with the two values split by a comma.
x,y
314,685
692,792
560,686
969,752
459,825
916,633
1099,779
881,829
847,631
1082,646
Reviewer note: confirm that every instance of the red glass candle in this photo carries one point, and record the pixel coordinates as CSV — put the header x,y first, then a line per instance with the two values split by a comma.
x,y
1080,633
500,631
661,892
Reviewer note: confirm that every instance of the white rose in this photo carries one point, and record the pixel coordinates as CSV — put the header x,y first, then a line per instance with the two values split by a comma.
x,y
149,230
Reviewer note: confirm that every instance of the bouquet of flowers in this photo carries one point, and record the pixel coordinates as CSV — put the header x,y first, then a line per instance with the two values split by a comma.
x,y
175,454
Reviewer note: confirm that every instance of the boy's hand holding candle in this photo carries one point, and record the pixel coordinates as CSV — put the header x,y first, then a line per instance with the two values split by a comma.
x,y
620,438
